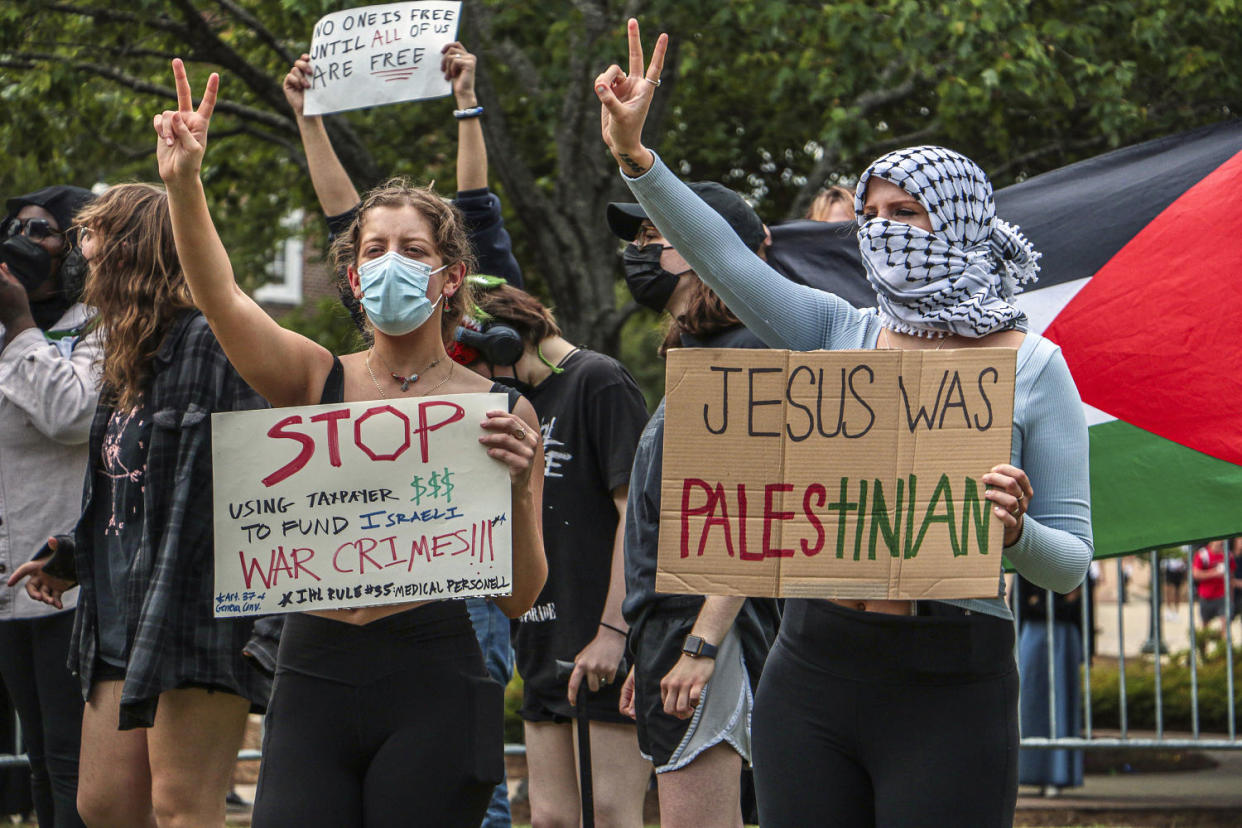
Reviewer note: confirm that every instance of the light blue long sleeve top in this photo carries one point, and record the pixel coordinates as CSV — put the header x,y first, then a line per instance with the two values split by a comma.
x,y
1049,428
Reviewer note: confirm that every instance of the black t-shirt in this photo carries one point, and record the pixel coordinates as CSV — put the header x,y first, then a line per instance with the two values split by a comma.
x,y
590,416
121,477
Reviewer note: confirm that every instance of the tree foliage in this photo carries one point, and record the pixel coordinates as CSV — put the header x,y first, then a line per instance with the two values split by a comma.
x,y
773,98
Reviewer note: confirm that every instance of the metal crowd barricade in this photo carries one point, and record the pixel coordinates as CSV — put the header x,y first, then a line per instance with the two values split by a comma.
x,y
1089,739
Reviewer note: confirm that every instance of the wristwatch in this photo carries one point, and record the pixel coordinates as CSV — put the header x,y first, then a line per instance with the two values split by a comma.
x,y
696,647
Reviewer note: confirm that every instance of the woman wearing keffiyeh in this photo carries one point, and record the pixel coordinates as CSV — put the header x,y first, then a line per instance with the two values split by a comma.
x,y
894,712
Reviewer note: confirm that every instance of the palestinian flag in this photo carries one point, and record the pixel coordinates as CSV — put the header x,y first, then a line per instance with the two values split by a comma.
x,y
1140,279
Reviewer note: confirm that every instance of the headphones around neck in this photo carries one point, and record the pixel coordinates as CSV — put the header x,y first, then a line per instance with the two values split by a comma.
x,y
497,343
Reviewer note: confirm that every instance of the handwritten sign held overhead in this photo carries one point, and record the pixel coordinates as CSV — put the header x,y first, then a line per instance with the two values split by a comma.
x,y
375,55
833,474
358,504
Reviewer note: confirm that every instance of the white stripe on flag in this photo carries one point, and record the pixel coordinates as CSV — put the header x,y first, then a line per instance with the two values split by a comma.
x,y
1041,307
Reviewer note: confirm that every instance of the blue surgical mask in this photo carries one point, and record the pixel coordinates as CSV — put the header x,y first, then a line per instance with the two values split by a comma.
x,y
394,292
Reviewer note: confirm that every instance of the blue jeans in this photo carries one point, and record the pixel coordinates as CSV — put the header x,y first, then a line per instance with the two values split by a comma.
x,y
491,627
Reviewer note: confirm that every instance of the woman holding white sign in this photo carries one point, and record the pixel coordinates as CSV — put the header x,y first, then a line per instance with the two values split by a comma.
x,y
379,715
894,712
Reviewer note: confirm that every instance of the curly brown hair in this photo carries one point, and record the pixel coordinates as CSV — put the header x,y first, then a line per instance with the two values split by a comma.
x,y
448,230
134,280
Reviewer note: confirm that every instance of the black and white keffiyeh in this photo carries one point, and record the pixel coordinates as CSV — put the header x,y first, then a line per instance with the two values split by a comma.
x,y
961,277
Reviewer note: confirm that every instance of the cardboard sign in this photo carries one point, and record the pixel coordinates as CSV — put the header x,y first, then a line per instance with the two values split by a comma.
x,y
377,55
358,504
833,474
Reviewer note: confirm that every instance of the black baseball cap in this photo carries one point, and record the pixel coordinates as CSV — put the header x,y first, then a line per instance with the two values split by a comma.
x,y
63,202
624,218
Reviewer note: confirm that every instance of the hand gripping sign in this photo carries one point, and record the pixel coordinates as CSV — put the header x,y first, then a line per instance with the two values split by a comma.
x,y
358,504
833,474
377,55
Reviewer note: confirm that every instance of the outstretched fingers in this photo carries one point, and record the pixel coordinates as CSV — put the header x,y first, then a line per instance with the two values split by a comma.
x,y
636,49
638,68
208,104
657,60
184,98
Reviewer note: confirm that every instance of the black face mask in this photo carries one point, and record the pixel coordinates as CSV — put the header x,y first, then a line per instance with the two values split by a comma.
x,y
28,261
73,275
649,283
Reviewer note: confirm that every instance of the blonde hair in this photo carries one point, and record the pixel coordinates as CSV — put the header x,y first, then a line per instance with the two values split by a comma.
x,y
448,231
827,199
134,280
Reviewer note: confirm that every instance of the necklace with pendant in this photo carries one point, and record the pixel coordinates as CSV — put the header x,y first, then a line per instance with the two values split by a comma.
x,y
404,381
407,382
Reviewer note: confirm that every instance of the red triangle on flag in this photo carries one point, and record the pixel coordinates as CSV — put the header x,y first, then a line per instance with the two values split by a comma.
x,y
1154,337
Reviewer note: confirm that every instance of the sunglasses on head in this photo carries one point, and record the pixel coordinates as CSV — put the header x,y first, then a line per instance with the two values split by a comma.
x,y
35,229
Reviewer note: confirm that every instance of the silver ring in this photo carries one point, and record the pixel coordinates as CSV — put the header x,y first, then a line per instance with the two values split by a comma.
x,y
655,82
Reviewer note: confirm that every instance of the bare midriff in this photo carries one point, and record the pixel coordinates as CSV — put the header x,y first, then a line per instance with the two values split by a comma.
x,y
886,607
365,615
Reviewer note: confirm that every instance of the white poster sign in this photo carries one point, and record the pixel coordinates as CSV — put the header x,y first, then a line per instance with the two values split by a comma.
x,y
358,504
375,55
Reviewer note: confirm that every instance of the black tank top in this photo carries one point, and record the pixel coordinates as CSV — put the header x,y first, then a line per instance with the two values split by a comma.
x,y
334,387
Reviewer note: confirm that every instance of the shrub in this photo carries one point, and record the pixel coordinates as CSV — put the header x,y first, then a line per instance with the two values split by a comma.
x,y
1175,693
513,702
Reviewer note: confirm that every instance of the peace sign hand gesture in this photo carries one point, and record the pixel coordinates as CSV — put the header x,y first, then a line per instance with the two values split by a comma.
x,y
625,100
183,133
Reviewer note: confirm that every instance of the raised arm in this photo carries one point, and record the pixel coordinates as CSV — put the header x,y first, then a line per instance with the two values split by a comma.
x,y
285,367
493,249
781,313
333,187
458,66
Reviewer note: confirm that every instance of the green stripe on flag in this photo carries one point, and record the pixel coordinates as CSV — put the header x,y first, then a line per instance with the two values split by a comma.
x,y
1148,492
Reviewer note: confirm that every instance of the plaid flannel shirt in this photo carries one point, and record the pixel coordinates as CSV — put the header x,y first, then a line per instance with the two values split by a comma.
x,y
173,638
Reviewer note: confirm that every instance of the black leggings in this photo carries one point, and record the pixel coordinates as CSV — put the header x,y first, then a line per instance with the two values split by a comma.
x,y
48,699
389,723
863,719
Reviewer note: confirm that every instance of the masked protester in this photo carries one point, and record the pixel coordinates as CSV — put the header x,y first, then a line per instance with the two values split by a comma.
x,y
492,247
855,693
328,760
48,391
697,659
38,254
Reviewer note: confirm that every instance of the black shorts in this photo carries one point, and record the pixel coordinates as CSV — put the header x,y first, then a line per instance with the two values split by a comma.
x,y
656,642
1211,608
107,671
547,700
